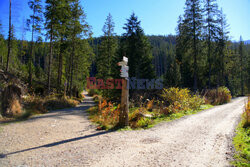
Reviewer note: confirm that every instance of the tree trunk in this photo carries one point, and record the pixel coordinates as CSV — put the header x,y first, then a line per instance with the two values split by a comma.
x,y
31,55
241,74
1,60
195,58
209,61
9,40
60,63
72,68
50,59
68,76
209,46
241,66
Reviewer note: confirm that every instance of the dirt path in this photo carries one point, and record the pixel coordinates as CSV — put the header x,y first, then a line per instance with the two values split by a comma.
x,y
67,138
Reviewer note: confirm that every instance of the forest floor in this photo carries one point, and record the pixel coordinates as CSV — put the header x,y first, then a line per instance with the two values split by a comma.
x,y
67,138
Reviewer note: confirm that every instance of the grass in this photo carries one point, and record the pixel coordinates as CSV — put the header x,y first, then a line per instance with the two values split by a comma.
x,y
242,140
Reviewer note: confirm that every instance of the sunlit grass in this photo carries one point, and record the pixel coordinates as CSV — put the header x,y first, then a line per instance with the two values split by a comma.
x,y
242,140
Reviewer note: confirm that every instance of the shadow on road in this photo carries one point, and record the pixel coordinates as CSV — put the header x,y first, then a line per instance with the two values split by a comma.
x,y
57,114
56,143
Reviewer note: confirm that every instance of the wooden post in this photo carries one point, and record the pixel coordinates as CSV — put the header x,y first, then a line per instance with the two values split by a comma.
x,y
123,118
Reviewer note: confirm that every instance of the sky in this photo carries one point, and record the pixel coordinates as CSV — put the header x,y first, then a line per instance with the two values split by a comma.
x,y
158,17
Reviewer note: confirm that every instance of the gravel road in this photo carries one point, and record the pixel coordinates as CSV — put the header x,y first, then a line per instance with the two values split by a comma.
x,y
67,138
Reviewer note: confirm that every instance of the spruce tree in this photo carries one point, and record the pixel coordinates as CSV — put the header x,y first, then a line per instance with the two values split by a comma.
x,y
106,60
107,50
136,47
193,23
211,30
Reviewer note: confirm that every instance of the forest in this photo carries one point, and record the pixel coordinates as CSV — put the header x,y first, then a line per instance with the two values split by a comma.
x,y
62,53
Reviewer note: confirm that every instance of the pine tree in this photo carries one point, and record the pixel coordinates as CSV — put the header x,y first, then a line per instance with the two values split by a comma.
x,y
107,50
36,22
192,29
211,28
51,14
64,15
136,47
78,27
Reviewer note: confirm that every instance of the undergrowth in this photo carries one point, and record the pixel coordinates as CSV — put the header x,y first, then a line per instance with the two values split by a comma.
x,y
242,140
33,105
175,104
40,105
218,96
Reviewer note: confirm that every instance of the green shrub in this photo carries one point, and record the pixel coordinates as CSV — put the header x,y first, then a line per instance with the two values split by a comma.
x,y
177,100
195,102
172,95
143,122
218,96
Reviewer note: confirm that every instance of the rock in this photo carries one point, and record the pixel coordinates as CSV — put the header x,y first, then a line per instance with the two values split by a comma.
x,y
145,115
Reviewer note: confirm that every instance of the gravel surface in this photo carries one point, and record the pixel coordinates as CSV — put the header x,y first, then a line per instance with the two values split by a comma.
x,y
67,138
